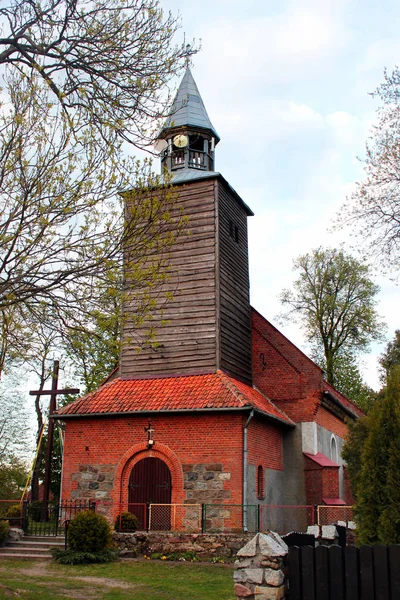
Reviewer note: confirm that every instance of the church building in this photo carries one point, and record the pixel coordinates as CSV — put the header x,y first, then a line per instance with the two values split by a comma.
x,y
226,411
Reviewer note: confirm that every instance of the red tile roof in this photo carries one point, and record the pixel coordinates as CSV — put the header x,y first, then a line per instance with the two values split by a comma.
x,y
321,459
212,391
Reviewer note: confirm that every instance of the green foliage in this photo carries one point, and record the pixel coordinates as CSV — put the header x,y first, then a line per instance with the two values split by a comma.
x,y
63,224
75,557
373,455
14,511
4,529
89,532
95,349
352,451
126,521
13,475
333,297
349,381
391,357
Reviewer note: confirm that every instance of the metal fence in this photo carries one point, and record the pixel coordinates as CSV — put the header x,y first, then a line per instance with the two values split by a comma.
x,y
233,518
332,514
163,517
230,518
49,518
175,517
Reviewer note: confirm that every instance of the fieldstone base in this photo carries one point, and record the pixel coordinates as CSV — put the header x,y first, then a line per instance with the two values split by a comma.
x,y
204,545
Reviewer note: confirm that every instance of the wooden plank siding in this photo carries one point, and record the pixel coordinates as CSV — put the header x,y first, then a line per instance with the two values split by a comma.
x,y
206,324
234,301
187,337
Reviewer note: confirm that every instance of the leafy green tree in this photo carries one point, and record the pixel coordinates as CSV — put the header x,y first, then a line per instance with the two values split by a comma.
x,y
389,521
391,357
80,81
13,476
106,64
349,381
373,212
93,349
334,299
376,483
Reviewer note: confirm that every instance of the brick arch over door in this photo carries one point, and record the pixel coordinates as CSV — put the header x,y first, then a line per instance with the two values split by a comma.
x,y
133,456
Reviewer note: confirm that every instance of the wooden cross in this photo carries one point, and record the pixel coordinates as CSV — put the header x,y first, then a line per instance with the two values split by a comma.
x,y
53,393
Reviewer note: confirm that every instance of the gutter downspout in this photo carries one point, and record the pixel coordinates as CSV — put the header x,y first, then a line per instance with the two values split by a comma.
x,y
245,455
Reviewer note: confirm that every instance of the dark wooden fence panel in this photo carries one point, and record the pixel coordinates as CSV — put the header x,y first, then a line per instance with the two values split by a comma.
x,y
351,570
335,573
366,573
381,572
307,572
394,570
295,573
322,574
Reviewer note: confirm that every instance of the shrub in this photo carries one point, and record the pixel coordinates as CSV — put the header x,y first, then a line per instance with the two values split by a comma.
x,y
89,532
73,557
126,521
4,529
15,513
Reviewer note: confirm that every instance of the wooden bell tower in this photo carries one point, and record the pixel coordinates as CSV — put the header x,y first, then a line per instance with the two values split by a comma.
x,y
206,325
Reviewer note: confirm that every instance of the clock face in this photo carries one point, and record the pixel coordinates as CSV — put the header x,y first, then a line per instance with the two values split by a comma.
x,y
180,141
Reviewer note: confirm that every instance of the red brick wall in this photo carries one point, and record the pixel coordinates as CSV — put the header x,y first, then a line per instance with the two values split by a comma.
x,y
327,420
313,486
330,482
180,439
283,372
321,482
265,444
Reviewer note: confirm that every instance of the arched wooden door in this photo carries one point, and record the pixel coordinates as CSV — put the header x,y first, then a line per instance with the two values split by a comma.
x,y
150,482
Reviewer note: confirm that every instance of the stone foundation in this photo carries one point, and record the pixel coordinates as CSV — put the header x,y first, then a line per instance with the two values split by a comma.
x,y
205,483
94,482
204,545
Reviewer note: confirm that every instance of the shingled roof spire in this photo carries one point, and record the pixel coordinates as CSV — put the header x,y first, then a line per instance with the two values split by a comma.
x,y
188,131
188,108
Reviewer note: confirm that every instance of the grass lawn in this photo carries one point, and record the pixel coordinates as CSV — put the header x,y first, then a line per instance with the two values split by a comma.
x,y
123,580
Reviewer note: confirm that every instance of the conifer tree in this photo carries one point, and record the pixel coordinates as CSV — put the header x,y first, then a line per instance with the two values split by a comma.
x,y
389,522
380,465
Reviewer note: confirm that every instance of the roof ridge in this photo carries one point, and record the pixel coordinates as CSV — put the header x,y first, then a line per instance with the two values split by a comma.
x,y
229,383
282,412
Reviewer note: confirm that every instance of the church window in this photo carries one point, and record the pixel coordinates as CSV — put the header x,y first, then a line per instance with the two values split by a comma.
x,y
334,455
260,483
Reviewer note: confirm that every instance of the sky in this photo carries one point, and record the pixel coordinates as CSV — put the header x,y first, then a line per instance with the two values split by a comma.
x,y
287,85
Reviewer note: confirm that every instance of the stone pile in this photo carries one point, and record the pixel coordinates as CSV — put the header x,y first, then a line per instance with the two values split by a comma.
x,y
327,535
260,568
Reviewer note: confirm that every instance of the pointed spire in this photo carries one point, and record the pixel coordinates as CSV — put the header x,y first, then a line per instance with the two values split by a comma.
x,y
188,108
